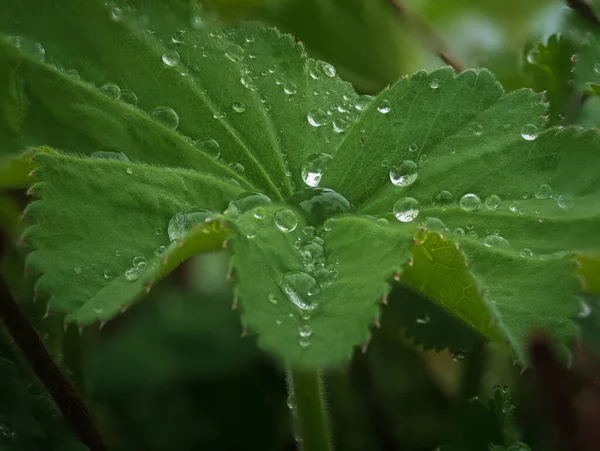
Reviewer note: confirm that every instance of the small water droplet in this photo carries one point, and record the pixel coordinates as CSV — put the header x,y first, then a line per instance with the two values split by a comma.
x,y
210,146
178,37
317,118
166,116
533,56
473,235
514,206
363,102
132,274
238,167
248,83
111,90
290,88
328,69
384,106
493,202
159,250
305,330
234,53
340,125
77,270
457,356
543,191
181,223
108,274
496,241
434,84
116,14
529,132
313,168
286,220
238,107
406,209
129,170
423,319
526,253
478,130
444,198
328,224
7,430
304,343
382,222
459,231
470,202
128,96
405,174
139,262
434,224
423,158
272,298
413,147
565,201
597,68
250,231
171,58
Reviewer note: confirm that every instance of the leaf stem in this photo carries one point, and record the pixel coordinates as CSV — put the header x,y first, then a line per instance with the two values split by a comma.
x,y
431,40
46,369
306,390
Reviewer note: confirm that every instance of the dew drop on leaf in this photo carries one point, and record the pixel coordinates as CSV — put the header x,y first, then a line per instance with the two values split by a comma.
x,y
493,202
328,69
132,274
111,90
171,58
328,224
165,116
406,209
238,107
77,270
105,155
317,118
234,53
543,191
529,132
247,201
473,235
526,253
128,96
564,201
140,262
250,231
299,287
6,430
129,170
159,250
290,88
304,343
363,102
305,330
210,146
434,224
382,222
29,46
108,274
318,204
286,220
313,168
423,319
444,197
496,241
291,402
478,130
459,231
238,167
178,37
514,206
597,68
259,213
405,174
413,147
340,125
181,223
384,106
272,298
248,83
434,84
470,202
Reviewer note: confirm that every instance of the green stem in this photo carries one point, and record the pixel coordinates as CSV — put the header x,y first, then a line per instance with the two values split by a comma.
x,y
306,389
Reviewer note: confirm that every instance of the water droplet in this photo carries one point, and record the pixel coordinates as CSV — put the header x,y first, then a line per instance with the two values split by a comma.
x,y
564,201
159,250
514,206
529,132
290,88
413,147
247,201
197,22
272,298
434,84
234,53
77,270
286,220
493,202
210,146
518,446
473,235
238,107
543,192
496,241
116,13
470,202
318,204
129,170
171,58
108,274
382,222
328,224
533,56
7,430
526,253
444,198
259,213
132,274
597,68
140,262
478,130
128,96
248,83
434,224
328,69
299,287
178,37
313,168
340,125
29,46
317,118
305,330
165,116
585,310
238,167
104,155
181,223
459,231
291,401
250,231
423,319
457,356
405,174
363,102
384,106
470,226
423,158
304,343
111,90
406,209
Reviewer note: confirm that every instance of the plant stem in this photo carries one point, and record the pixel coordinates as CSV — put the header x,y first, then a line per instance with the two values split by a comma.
x,y
306,388
46,369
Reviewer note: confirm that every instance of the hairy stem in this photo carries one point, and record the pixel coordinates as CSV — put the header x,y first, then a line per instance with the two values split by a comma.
x,y
46,369
306,389
427,35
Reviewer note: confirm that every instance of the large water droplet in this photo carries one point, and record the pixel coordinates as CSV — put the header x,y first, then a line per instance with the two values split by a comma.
x,y
340,125
290,88
181,223
234,53
320,204
111,90
299,287
317,118
406,209
328,69
493,202
247,201
166,116
248,83
543,191
405,174
533,56
171,58
470,202
313,168
434,224
384,106
210,146
444,198
564,201
529,132
496,241
128,96
363,102
285,220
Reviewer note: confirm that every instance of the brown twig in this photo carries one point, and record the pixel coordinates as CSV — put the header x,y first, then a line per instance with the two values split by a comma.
x,y
433,42
58,385
585,10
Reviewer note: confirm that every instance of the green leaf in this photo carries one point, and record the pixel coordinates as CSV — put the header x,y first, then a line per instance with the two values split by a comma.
x,y
117,212
274,285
